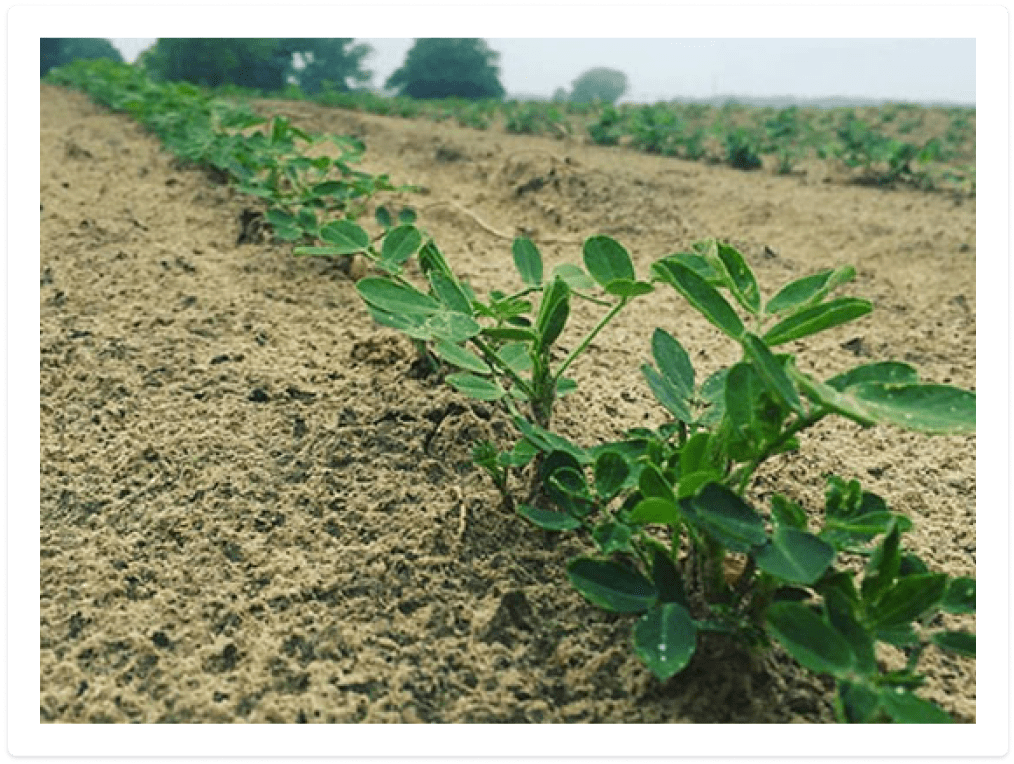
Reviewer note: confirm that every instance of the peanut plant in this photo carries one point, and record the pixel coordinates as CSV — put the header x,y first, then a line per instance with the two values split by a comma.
x,y
677,540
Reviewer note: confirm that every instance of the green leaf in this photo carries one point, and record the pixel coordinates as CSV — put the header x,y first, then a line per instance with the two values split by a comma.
x,y
816,319
400,244
515,356
395,298
548,519
612,537
960,596
611,586
406,216
573,275
700,294
673,362
667,578
889,372
691,485
451,326
841,614
808,290
461,357
694,453
794,555
724,515
607,260
383,217
960,642
553,312
611,470
928,408
345,236
910,598
653,484
698,264
279,218
905,708
737,275
809,638
509,334
772,373
527,260
882,567
667,394
628,288
476,387
412,325
665,639
656,510
787,513
859,701
449,292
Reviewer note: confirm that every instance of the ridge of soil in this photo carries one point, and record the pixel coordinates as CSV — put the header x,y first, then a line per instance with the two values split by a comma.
x,y
254,508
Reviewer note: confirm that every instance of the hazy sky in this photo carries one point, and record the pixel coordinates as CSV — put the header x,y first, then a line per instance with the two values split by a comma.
x,y
916,70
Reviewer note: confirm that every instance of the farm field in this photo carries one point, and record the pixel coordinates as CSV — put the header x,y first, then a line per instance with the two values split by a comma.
x,y
257,507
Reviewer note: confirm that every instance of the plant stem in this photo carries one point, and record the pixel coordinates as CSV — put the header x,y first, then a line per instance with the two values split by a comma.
x,y
591,335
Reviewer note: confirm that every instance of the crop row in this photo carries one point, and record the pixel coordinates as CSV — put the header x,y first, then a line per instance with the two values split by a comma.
x,y
879,145
671,535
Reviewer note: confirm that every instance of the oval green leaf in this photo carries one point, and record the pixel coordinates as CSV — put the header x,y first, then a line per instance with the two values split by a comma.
x,y
607,260
960,642
665,639
611,586
549,520
905,708
723,514
345,236
527,260
400,244
395,298
772,373
656,510
809,638
611,470
461,357
700,294
476,387
794,555
673,361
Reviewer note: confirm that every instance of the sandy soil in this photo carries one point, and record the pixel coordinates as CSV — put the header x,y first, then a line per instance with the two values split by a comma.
x,y
255,509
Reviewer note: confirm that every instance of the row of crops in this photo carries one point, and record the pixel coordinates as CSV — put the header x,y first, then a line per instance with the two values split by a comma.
x,y
662,512
931,149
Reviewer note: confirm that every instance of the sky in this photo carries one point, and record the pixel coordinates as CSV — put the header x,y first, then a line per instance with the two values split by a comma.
x,y
910,70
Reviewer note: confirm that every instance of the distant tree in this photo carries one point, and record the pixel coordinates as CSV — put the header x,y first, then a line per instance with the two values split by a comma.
x,y
606,85
444,67
559,95
337,61
254,63
56,51
261,63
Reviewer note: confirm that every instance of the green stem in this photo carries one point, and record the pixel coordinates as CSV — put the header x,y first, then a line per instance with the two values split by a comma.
x,y
800,424
591,335
494,360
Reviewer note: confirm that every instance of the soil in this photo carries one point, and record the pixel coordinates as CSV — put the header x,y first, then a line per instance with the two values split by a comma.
x,y
255,508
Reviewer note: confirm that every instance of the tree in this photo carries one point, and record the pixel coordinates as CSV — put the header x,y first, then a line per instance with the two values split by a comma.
x,y
262,64
444,67
605,85
56,51
254,63
336,61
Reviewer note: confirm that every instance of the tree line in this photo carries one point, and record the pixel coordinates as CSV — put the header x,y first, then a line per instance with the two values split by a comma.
x,y
433,67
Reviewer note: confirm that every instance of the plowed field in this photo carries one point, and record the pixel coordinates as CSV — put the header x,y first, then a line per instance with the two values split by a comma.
x,y
254,508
